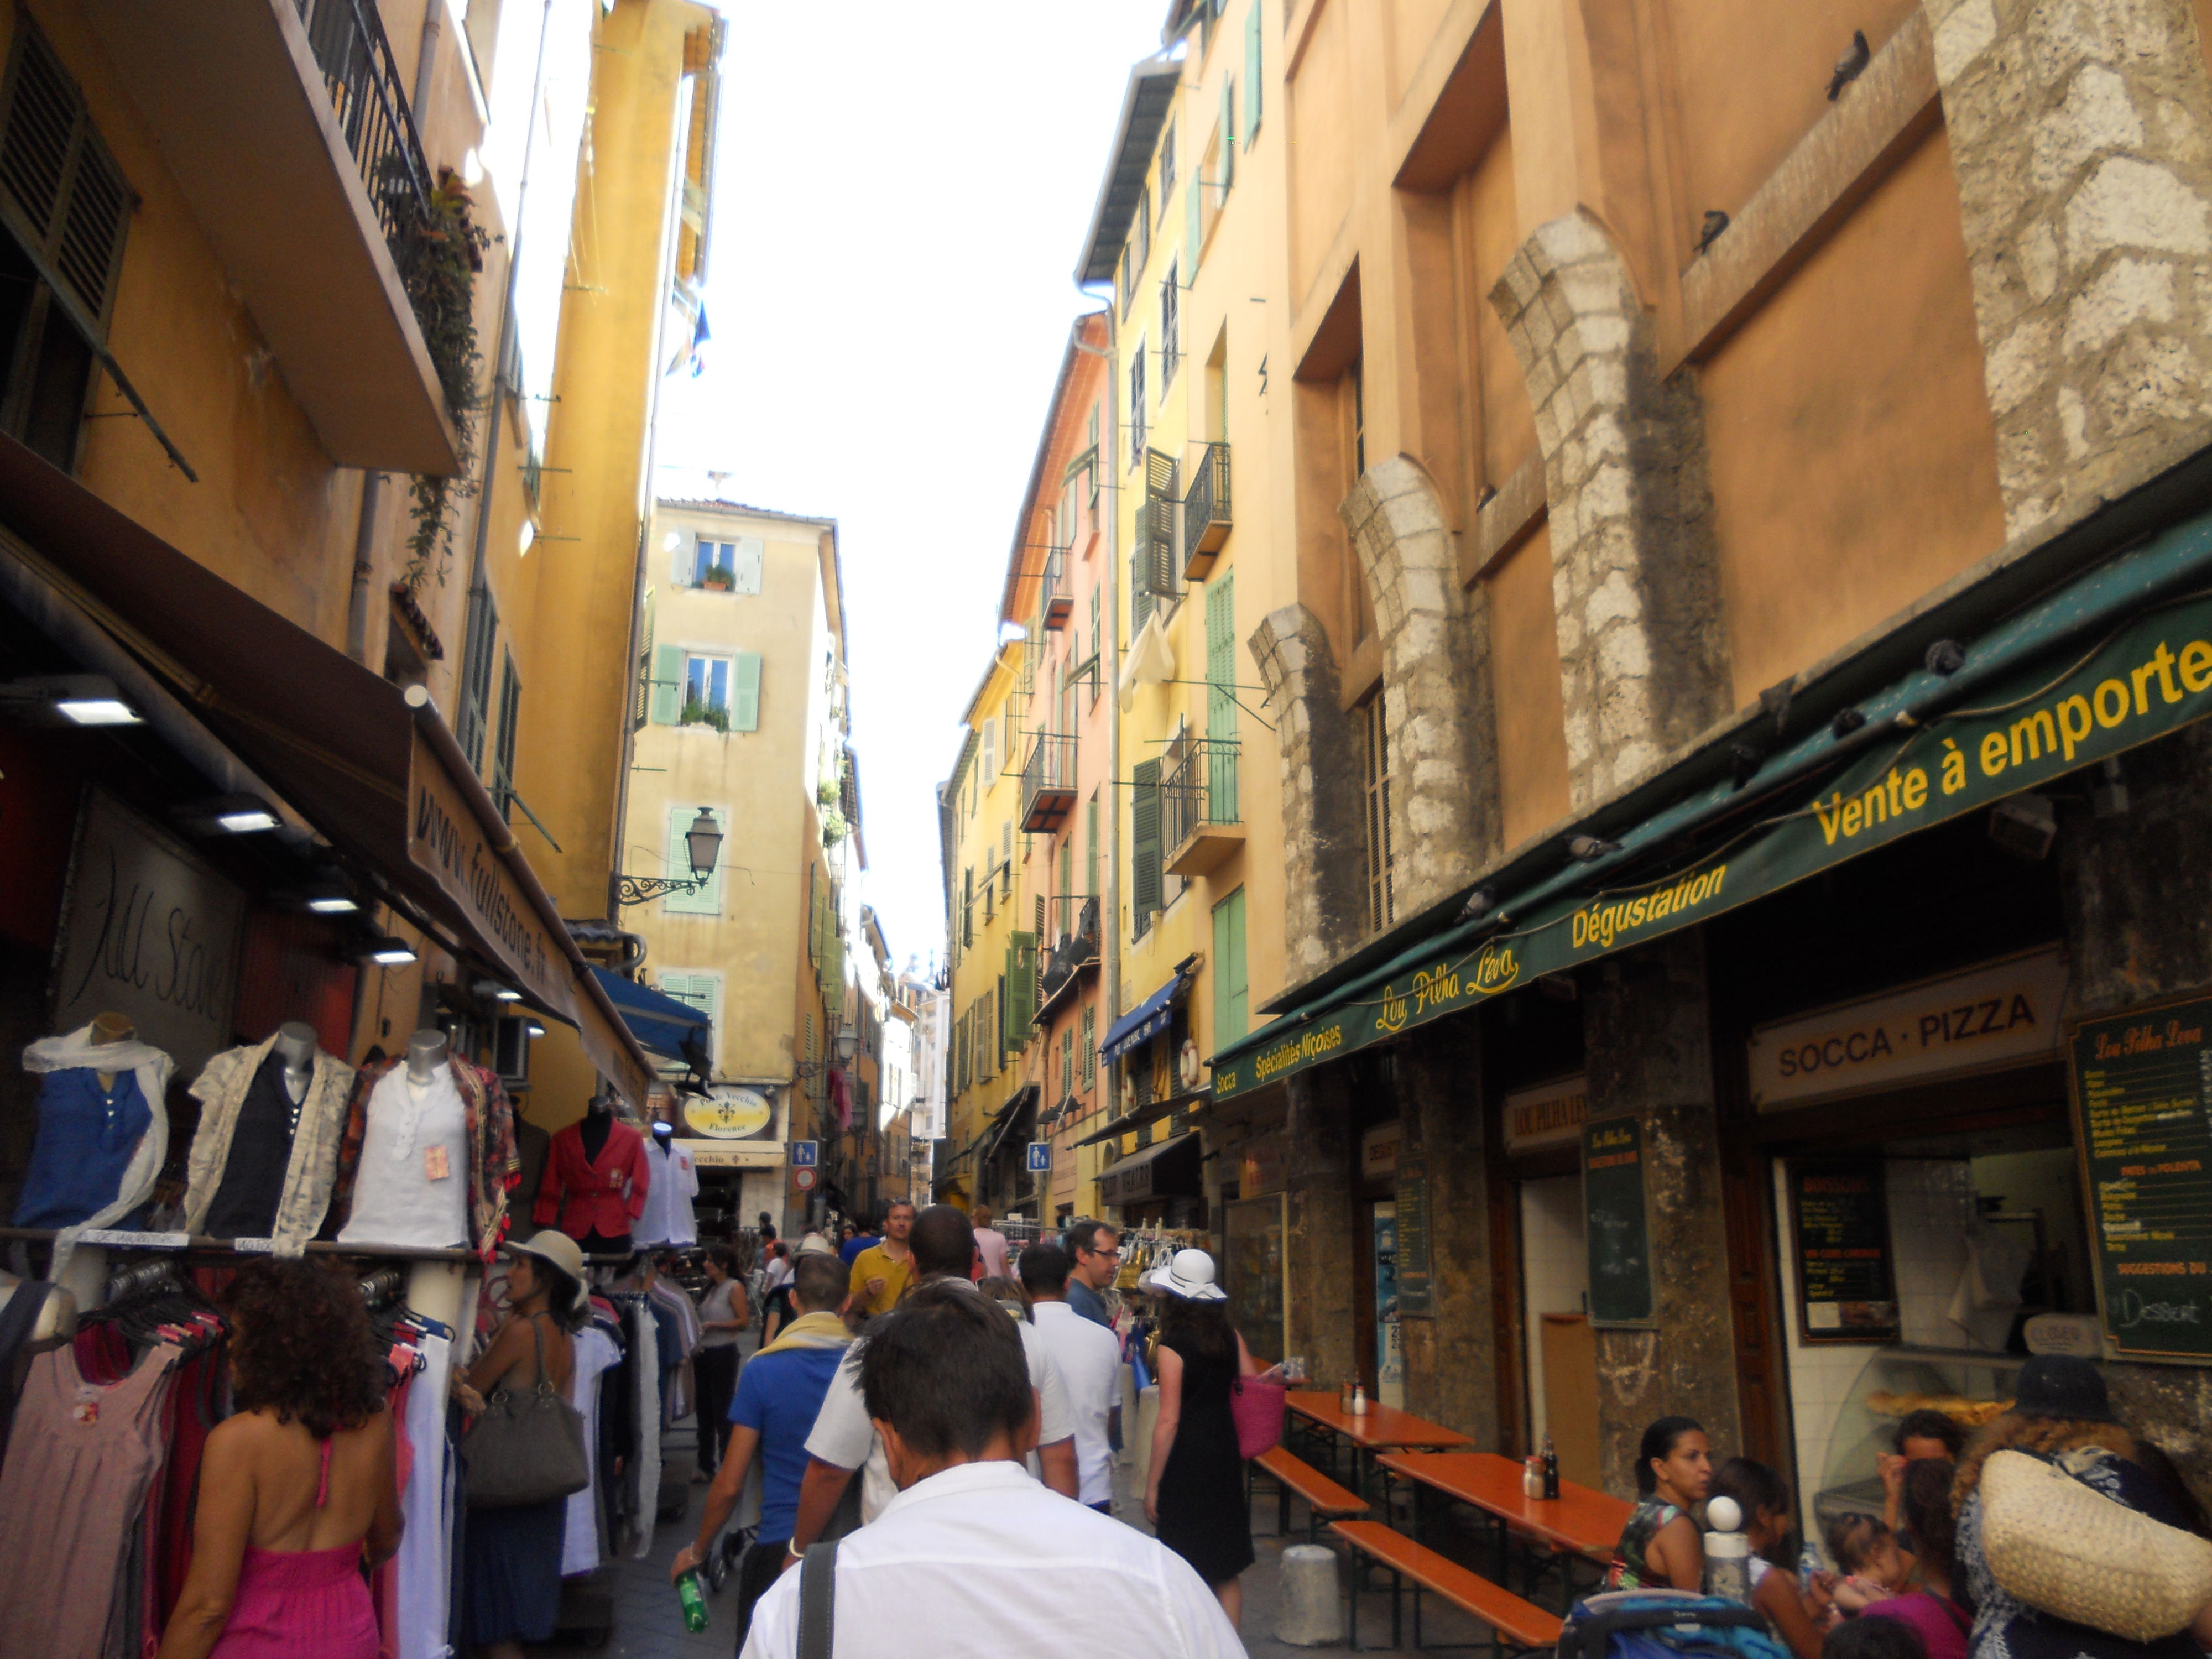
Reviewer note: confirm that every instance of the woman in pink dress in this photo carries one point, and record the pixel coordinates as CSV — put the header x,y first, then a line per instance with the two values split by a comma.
x,y
298,1487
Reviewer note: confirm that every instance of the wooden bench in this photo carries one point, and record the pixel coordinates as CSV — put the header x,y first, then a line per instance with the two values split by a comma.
x,y
1325,1500
1516,1626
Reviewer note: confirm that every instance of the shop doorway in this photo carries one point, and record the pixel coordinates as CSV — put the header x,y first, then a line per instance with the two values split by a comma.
x,y
1561,1350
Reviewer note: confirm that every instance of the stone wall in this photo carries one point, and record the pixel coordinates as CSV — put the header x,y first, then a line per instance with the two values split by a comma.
x,y
2080,132
1324,852
1318,1155
1437,704
1642,652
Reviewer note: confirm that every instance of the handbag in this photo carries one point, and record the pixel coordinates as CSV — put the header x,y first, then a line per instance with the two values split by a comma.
x,y
525,1448
2062,1547
1256,1403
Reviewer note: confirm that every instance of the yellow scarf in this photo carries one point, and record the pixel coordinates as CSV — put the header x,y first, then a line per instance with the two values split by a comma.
x,y
814,1330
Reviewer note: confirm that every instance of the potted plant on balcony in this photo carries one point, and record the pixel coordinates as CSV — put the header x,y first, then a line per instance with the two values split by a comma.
x,y
696,712
834,829
718,579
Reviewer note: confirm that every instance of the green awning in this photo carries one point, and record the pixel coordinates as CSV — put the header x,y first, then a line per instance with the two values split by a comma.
x,y
2118,657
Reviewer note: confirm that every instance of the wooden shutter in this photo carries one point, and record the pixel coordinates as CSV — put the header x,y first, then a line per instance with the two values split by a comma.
x,y
1232,999
1021,988
1145,834
745,691
1090,1044
1228,146
684,563
751,555
1221,699
1252,101
59,188
1091,847
666,704
1156,531
1194,220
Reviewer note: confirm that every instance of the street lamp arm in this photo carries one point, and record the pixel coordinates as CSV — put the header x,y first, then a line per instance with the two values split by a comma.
x,y
637,889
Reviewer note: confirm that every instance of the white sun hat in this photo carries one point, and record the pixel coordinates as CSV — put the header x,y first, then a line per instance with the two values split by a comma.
x,y
1189,1276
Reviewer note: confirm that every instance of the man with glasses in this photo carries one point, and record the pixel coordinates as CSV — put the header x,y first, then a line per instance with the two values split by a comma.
x,y
1096,1249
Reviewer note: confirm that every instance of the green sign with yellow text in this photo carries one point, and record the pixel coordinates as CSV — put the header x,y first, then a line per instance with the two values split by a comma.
x,y
2147,679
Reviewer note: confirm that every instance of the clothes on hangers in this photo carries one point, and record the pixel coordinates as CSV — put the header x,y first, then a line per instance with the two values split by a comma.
x,y
667,1218
262,1165
26,1302
603,1192
596,1353
487,1169
679,1337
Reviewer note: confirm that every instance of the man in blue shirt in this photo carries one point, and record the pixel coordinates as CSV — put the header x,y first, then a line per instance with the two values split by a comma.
x,y
858,1239
1096,1250
779,1396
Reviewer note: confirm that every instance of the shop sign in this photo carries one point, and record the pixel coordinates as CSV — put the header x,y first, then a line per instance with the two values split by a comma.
x,y
152,932
1616,1227
2003,1013
1549,1115
724,1112
730,1155
2143,1097
1378,1150
1846,1287
2151,677
1416,1292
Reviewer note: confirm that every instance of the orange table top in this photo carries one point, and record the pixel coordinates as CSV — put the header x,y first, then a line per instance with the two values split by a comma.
x,y
1381,1426
1580,1519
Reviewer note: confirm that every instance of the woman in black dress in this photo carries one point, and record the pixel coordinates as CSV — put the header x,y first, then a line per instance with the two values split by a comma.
x,y
1195,1496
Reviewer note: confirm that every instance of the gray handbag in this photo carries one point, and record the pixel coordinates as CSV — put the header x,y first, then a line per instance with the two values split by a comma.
x,y
525,1448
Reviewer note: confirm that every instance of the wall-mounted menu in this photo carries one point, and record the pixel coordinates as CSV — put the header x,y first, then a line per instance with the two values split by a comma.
x,y
1619,1233
1416,1294
1846,1290
2142,1090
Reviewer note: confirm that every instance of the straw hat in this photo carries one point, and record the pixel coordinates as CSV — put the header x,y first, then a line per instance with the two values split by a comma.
x,y
815,1244
1189,1276
556,1250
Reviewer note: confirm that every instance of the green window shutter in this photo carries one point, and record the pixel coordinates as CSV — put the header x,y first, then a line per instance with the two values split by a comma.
x,y
1140,592
994,1027
1091,848
1221,698
1020,995
708,901
1089,1045
1232,999
1229,128
1252,73
667,700
1145,834
1193,220
745,691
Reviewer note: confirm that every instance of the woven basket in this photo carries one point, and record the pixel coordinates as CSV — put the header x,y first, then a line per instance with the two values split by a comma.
x,y
2061,1545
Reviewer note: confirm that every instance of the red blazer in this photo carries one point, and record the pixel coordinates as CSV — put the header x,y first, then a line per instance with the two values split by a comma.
x,y
582,1194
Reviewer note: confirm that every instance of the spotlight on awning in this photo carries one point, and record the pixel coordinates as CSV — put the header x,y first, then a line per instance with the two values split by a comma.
x,y
70,699
228,815
390,953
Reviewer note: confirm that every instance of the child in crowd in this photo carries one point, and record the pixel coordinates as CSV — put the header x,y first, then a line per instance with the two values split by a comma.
x,y
1873,1638
1871,1566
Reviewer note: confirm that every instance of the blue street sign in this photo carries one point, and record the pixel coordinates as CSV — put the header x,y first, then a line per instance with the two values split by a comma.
x,y
805,1154
1040,1156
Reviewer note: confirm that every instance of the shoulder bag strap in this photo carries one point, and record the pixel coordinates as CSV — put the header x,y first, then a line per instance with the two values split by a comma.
x,y
544,1383
817,1602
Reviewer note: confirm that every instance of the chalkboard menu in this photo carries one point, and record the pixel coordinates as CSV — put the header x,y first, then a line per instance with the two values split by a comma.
x,y
1613,1210
2142,1090
1416,1295
1846,1290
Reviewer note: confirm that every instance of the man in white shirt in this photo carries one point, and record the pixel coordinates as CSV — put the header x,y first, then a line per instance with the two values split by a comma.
x,y
990,1243
1089,1358
845,1439
972,1556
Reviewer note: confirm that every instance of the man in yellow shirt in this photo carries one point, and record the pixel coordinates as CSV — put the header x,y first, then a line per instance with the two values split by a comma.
x,y
880,1273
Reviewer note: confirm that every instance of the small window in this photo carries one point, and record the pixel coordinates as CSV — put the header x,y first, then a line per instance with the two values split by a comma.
x,y
1167,167
1137,404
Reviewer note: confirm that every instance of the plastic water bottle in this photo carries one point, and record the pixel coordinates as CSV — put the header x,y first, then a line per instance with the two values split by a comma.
x,y
694,1601
1808,1568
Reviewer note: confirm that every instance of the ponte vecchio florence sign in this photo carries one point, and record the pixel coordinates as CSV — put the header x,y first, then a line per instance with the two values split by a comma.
x,y
2149,677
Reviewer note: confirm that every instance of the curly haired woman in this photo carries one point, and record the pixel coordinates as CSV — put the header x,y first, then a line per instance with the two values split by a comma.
x,y
295,1488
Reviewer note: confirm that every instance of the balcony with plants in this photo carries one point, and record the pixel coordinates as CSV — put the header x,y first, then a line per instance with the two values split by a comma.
x,y
1068,947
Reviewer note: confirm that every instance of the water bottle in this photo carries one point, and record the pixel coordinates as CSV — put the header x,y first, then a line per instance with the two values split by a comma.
x,y
1808,1568
1551,1469
694,1601
1728,1551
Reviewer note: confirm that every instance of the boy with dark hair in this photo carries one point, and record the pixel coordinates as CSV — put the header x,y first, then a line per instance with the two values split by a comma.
x,y
973,1556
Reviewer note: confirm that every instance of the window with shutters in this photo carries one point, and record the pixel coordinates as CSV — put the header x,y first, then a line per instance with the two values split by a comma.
x,y
1067,1062
1158,573
1232,997
1252,60
65,206
1137,409
642,699
483,635
1006,857
990,754
1126,278
968,905
1167,165
704,992
1170,325
1091,886
1098,662
1221,735
510,716
1144,846
1375,774
706,691
1089,1045
707,900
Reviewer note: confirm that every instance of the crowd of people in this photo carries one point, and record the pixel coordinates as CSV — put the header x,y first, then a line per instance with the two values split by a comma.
x,y
930,1423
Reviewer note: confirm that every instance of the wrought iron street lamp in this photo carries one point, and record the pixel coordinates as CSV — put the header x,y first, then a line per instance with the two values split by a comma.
x,y
702,845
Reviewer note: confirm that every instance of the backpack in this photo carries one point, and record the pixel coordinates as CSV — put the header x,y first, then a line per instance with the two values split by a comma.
x,y
1666,1624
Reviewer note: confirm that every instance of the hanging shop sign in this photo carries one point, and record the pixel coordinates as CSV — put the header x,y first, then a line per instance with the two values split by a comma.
x,y
1616,1225
1416,1290
1378,1150
1549,1115
2148,678
1846,1282
727,1113
2001,1014
151,933
2143,1094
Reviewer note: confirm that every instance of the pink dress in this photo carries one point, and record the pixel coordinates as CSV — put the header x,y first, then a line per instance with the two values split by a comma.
x,y
301,1604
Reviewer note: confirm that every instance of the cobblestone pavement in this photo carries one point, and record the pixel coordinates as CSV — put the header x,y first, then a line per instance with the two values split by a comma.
x,y
648,1624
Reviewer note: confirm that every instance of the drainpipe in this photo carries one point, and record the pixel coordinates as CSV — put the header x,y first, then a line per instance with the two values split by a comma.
x,y
425,54
1109,943
364,555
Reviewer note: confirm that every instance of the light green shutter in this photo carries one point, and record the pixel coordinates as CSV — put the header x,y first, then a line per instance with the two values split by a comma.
x,y
1221,699
1144,838
1229,129
666,704
745,691
1019,1000
1252,73
1193,220
708,901
1232,997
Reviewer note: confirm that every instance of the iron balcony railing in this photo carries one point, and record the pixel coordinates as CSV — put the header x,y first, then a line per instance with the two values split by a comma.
x,y
1206,518
1201,790
1049,783
1069,943
1059,603
355,58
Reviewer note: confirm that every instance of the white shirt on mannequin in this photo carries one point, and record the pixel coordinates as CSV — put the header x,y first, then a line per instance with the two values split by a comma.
x,y
413,1183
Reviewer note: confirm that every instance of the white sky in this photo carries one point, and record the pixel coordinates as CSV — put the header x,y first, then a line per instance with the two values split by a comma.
x,y
900,198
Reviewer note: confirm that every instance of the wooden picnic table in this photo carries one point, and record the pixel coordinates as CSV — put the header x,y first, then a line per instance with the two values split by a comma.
x,y
1580,1522
1380,1428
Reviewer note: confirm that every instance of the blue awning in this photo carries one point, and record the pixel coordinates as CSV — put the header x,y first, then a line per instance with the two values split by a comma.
x,y
1141,1023
673,1030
